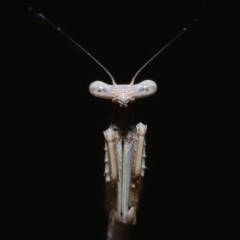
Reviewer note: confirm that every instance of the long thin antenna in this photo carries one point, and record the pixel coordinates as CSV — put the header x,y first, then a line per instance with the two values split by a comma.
x,y
39,15
162,49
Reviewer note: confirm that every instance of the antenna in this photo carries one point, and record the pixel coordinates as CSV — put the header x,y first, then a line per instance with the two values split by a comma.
x,y
162,49
39,15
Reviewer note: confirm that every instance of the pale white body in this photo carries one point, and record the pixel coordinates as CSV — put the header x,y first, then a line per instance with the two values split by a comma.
x,y
124,151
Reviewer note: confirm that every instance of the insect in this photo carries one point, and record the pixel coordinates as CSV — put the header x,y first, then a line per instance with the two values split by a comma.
x,y
124,141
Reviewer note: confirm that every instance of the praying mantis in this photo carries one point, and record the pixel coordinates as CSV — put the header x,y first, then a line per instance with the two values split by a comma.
x,y
124,143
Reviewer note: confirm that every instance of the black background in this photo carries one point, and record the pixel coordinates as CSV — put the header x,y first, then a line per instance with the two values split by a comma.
x,y
52,180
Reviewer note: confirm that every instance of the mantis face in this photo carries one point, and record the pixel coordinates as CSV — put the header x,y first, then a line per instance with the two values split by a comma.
x,y
123,94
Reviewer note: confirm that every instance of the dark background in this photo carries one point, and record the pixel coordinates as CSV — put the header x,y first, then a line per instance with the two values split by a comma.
x,y
52,180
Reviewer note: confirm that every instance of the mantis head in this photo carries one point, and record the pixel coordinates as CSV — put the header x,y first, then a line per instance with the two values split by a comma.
x,y
123,94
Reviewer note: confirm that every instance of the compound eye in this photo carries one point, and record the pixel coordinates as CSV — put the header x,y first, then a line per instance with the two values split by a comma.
x,y
145,88
100,89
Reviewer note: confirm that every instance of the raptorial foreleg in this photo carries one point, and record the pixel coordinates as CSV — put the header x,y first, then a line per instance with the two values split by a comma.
x,y
138,167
